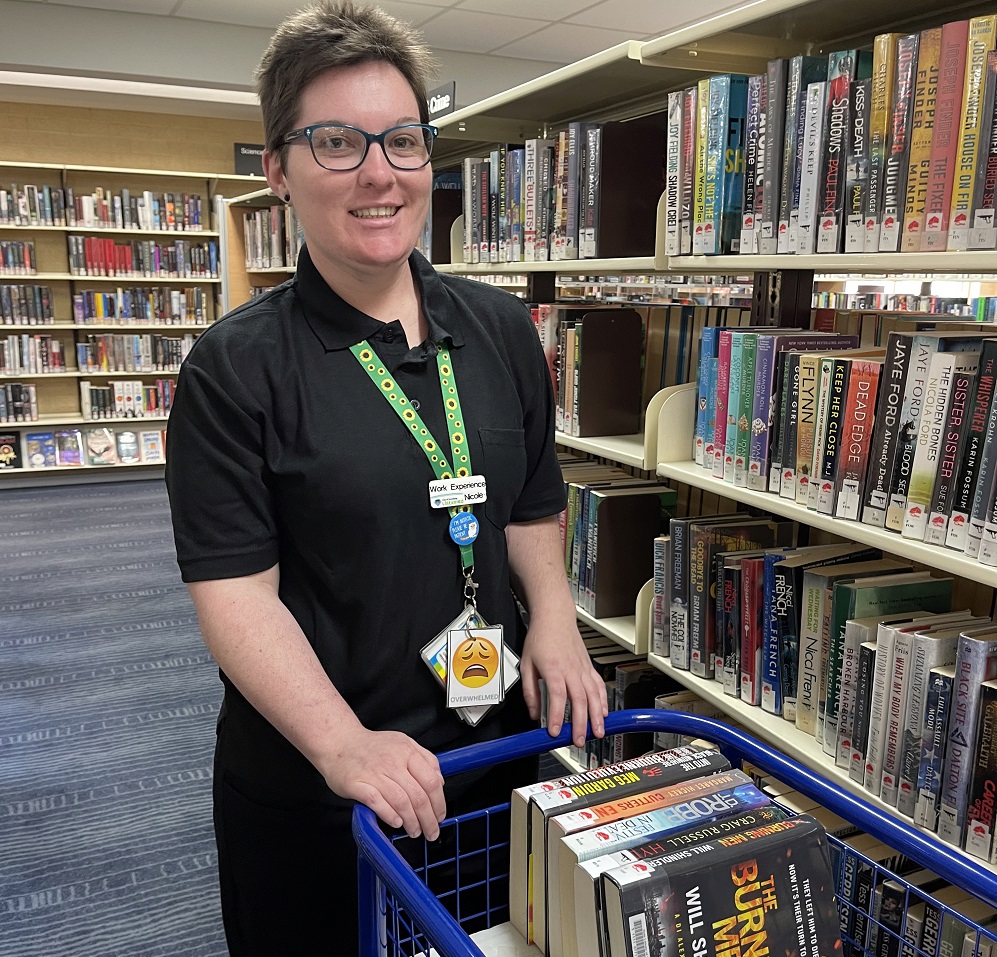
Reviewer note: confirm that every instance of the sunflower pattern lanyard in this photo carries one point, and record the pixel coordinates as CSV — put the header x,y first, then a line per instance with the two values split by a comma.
x,y
473,651
455,487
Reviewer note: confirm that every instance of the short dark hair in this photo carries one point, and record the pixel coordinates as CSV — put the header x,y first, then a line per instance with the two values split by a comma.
x,y
327,35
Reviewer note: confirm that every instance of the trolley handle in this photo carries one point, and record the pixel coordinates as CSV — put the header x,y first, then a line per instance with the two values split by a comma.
x,y
943,859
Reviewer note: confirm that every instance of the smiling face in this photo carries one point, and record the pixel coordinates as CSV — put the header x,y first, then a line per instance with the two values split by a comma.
x,y
475,662
367,218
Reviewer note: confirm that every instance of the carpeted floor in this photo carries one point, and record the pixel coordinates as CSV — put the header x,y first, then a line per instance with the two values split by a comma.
x,y
108,700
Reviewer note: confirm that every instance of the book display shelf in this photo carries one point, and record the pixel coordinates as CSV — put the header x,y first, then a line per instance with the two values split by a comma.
x,y
107,295
633,79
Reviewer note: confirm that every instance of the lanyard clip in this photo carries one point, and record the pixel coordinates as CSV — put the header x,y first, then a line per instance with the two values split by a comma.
x,y
470,588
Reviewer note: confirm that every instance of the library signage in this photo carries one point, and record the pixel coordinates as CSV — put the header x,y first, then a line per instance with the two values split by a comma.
x,y
442,100
248,159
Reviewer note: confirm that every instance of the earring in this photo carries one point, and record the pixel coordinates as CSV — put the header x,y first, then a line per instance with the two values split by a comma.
x,y
287,197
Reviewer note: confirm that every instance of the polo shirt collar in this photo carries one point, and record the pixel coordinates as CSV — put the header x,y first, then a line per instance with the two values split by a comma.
x,y
338,325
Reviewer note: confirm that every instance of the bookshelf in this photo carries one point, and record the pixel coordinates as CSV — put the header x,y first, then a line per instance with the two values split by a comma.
x,y
157,300
633,79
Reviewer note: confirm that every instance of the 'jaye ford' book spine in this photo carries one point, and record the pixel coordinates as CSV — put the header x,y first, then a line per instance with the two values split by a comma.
x,y
772,890
885,433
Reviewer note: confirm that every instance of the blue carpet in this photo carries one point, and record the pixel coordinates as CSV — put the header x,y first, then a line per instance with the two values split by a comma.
x,y
108,702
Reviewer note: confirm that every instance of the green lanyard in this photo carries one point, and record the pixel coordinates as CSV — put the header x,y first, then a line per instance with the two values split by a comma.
x,y
397,399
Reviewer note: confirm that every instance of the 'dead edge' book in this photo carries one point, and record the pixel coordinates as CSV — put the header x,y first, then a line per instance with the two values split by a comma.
x,y
769,889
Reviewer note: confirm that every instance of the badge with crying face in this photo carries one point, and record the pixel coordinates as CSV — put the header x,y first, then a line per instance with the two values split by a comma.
x,y
475,666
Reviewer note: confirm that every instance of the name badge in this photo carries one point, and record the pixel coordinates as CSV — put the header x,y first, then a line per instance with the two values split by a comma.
x,y
454,492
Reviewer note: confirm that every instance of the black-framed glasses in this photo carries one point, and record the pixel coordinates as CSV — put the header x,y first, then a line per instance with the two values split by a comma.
x,y
342,148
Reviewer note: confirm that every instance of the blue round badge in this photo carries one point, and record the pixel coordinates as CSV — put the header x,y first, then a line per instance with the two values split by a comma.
x,y
464,528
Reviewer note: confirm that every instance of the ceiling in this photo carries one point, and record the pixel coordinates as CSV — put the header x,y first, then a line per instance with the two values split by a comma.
x,y
199,56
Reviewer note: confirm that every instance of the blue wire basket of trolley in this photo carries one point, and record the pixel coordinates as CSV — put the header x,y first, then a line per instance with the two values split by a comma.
x,y
410,889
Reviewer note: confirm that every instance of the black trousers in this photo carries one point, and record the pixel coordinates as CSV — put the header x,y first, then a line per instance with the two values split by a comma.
x,y
287,870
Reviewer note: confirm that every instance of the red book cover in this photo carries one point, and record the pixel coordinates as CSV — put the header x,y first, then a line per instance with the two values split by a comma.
x,y
945,137
856,436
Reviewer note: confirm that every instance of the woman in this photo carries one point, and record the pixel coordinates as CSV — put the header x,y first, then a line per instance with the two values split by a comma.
x,y
301,510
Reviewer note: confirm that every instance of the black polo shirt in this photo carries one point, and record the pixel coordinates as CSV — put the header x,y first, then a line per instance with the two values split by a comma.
x,y
282,450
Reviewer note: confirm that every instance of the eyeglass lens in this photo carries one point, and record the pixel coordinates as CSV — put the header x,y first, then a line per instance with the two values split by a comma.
x,y
342,148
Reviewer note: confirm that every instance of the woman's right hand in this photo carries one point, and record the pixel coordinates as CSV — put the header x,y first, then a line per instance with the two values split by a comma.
x,y
399,780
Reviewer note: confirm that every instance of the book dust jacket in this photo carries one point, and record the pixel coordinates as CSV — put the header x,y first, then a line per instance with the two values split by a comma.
x,y
765,891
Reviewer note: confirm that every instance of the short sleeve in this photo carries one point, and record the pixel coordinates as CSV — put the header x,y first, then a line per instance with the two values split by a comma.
x,y
216,476
543,491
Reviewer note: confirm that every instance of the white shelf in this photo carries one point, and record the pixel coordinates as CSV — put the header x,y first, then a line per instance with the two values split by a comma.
x,y
31,278
259,270
564,756
52,419
934,556
626,449
976,261
21,473
639,450
570,267
621,630
792,742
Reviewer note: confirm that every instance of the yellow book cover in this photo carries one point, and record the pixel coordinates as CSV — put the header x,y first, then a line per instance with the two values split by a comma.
x,y
982,35
699,197
884,69
922,128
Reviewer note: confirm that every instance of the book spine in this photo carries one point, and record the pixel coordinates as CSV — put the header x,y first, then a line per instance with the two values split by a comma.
x,y
722,390
761,413
885,431
749,234
980,810
702,162
700,574
857,175
590,215
786,609
813,137
831,194
878,705
673,176
928,653
811,623
976,662
945,138
884,58
898,144
982,33
922,128
928,442
983,234
896,716
678,617
771,675
789,442
863,706
728,655
690,115
775,127
825,475
950,451
746,397
716,137
850,646
957,534
732,178
752,623
794,96
733,405
707,350
806,425
937,708
659,610
986,484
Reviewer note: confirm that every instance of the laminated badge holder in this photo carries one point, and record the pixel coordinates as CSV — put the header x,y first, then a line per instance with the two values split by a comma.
x,y
469,658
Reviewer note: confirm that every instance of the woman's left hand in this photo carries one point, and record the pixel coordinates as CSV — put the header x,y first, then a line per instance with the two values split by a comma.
x,y
556,653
